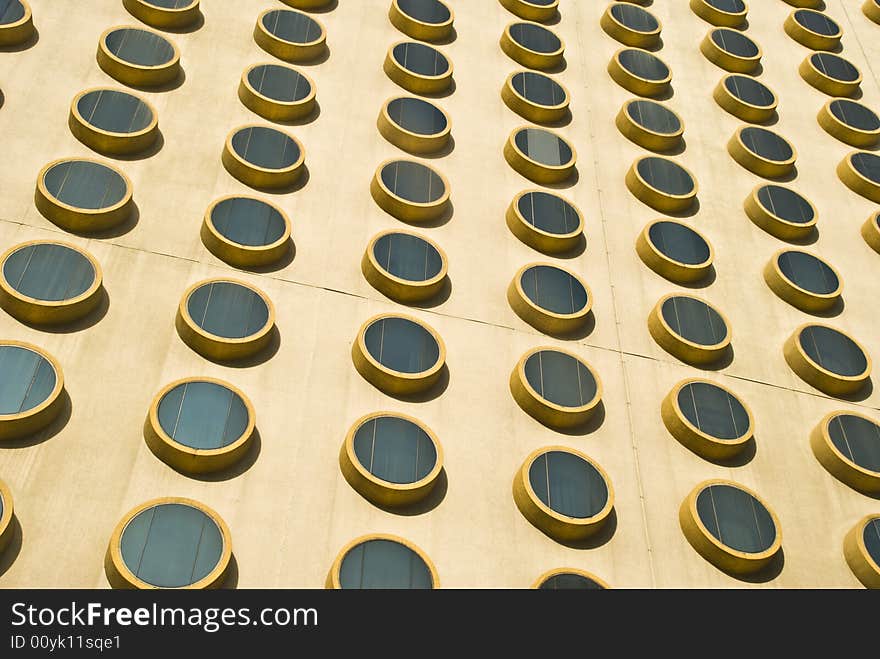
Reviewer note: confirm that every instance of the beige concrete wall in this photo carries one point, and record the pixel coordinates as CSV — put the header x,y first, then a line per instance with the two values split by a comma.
x,y
291,510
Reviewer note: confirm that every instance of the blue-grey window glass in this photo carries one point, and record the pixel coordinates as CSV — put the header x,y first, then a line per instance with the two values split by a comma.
x,y
694,320
413,181
549,212
785,204
203,415
384,564
402,345
560,378
858,439
833,351
654,116
395,450
114,111
85,184
855,114
417,116
420,58
747,89
554,290
169,4
633,17
871,536
11,11
679,243
228,310
665,175
292,26
868,165
766,144
26,379
279,83
730,6
538,88
543,147
171,545
407,257
734,42
265,147
816,21
248,221
808,272
834,66
48,272
643,64
736,518
426,11
139,47
713,410
568,484
569,581
535,38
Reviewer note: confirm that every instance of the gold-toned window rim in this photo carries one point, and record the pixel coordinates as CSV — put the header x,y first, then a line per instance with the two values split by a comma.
x,y
557,526
680,347
402,290
307,4
570,570
529,109
121,577
407,140
238,254
389,380
645,137
837,464
871,9
186,458
856,181
720,555
740,108
49,312
333,582
825,83
408,211
775,225
534,170
701,443
727,60
543,410
844,132
290,51
73,218
163,17
262,177
416,82
807,37
819,377
6,528
382,492
531,11
871,232
627,35
137,75
108,142
794,294
272,109
863,566
771,169
527,57
13,426
635,83
804,4
12,34
419,29
655,198
719,17
217,347
543,241
667,267
542,319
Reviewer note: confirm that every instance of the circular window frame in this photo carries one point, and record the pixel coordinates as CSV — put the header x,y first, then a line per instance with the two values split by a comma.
x,y
542,319
272,109
680,347
106,142
745,157
838,465
531,11
530,110
719,17
398,289
45,312
377,490
237,254
417,83
626,35
163,17
643,136
213,346
743,109
634,83
531,59
872,10
825,83
808,38
775,225
137,75
795,295
120,577
559,527
308,5
819,377
727,60
333,582
544,578
14,34
545,411
847,133
855,180
655,198
543,241
414,143
663,265
534,170
871,231
863,566
388,380
15,426
400,208
420,30
262,178
290,51
6,526
713,550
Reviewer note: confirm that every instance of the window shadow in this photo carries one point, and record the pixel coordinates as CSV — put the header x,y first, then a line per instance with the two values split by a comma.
x,y
261,357
153,149
601,537
247,461
428,395
589,427
426,505
90,320
24,45
47,433
120,229
13,549
187,29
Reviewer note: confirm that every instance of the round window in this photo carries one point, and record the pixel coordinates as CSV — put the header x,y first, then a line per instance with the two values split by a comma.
x,y
569,579
113,122
404,266
535,96
414,125
850,122
263,157
871,231
675,251
290,35
762,151
418,67
16,22
640,72
732,50
803,280
545,221
532,45
650,124
277,92
532,10
138,57
6,512
781,212
384,562
30,389
728,13
631,25
827,359
861,548
245,231
848,445
426,20
831,74
662,184
813,29
174,14
689,329
746,98
540,155
410,191
860,171
550,299
871,9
